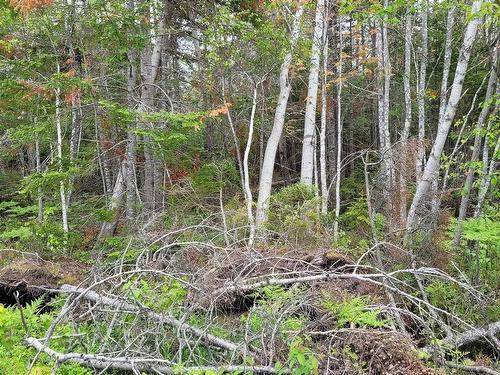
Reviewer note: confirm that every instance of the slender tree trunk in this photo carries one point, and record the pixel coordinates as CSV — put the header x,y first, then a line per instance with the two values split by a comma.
x,y
384,66
432,165
486,181
39,170
248,191
62,188
407,122
306,170
322,133
443,99
464,203
419,163
339,132
266,174
488,167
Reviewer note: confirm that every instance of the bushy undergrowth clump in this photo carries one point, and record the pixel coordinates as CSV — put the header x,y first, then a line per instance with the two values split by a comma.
x,y
293,211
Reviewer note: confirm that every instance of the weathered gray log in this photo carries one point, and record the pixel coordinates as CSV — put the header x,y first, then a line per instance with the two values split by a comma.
x,y
135,364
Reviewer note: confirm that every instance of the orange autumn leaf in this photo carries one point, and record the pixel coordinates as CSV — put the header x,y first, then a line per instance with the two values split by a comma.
x,y
27,6
220,111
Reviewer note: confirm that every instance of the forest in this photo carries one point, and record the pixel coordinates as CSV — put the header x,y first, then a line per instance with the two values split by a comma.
x,y
249,187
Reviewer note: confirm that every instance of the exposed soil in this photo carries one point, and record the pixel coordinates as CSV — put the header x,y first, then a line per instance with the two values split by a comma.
x,y
30,277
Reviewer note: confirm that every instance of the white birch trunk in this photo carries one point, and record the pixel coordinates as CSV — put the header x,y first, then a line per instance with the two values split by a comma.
x,y
248,191
443,99
408,115
322,133
419,162
384,67
339,134
266,174
307,165
432,166
62,188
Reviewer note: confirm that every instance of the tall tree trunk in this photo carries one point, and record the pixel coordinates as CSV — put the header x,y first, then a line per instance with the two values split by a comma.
x,y
322,133
443,99
339,132
384,81
432,166
62,185
248,191
464,203
419,163
403,168
307,165
266,174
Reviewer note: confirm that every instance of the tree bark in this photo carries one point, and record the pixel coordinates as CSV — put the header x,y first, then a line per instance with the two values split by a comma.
x,y
307,165
384,81
419,162
62,185
339,133
403,168
266,174
432,165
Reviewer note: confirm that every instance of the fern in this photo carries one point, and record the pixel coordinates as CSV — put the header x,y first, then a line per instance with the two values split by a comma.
x,y
354,311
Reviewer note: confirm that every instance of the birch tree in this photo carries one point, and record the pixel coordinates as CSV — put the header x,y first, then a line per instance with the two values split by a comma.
x,y
432,166
267,171
384,82
419,163
408,115
443,97
62,185
307,165
339,132
322,133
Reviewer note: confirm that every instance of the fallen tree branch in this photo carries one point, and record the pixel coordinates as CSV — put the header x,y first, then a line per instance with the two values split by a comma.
x,y
478,369
120,304
475,334
96,361
488,333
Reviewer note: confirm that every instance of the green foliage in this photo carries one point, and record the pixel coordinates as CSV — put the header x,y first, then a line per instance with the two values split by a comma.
x,y
481,246
353,311
301,359
211,177
294,209
15,357
451,298
165,294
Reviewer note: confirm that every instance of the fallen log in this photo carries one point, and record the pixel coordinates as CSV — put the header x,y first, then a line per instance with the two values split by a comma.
x,y
136,365
487,332
125,306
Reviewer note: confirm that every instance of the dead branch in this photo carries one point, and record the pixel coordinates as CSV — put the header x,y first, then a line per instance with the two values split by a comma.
x,y
478,369
125,306
137,364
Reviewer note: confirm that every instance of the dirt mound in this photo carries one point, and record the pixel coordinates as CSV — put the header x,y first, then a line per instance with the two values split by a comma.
x,y
32,277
